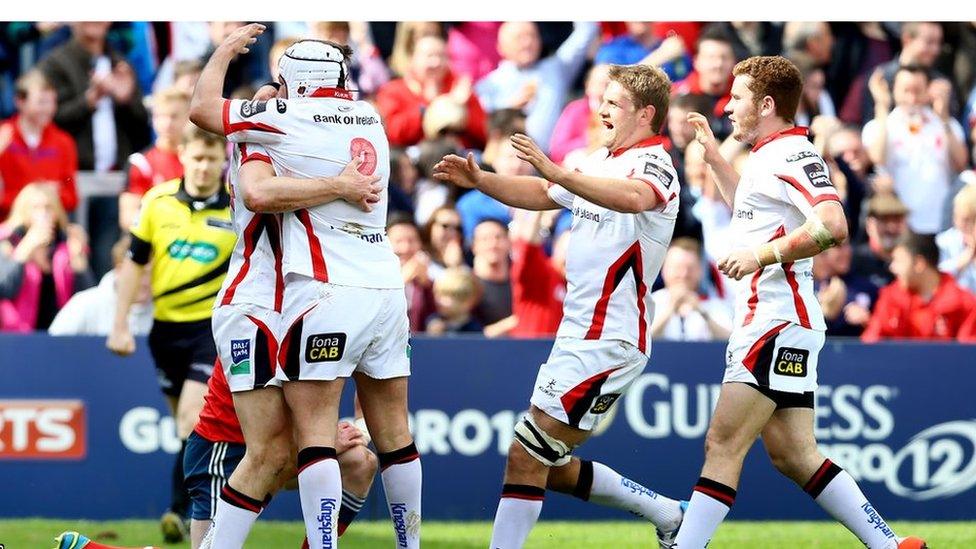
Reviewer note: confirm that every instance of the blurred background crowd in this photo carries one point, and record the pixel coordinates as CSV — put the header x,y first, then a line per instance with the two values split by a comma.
x,y
92,115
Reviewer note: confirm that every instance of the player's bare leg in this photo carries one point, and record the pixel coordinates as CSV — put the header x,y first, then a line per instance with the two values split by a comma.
x,y
314,406
740,415
358,467
384,404
792,448
268,447
188,407
526,477
595,482
198,529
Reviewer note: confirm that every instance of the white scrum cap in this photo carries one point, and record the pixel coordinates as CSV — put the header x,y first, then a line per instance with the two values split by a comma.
x,y
311,64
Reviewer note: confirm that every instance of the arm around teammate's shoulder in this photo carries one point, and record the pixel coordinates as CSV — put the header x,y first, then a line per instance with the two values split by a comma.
x,y
263,191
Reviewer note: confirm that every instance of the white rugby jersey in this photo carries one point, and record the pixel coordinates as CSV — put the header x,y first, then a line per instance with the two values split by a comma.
x,y
256,262
918,161
613,258
316,137
783,179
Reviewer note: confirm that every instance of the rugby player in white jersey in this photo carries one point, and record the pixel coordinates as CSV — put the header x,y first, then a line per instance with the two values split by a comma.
x,y
785,210
343,308
624,203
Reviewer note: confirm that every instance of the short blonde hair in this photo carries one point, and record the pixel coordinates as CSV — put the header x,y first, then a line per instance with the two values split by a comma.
x,y
459,282
20,210
647,85
171,96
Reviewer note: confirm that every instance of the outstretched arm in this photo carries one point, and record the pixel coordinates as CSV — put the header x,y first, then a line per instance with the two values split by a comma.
x,y
620,195
526,192
206,107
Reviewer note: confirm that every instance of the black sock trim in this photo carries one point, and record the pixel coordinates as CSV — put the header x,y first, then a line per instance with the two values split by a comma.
x,y
584,484
396,457
716,490
237,499
523,491
314,454
824,475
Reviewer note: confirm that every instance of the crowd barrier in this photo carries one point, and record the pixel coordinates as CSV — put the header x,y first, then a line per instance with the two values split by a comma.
x,y
85,434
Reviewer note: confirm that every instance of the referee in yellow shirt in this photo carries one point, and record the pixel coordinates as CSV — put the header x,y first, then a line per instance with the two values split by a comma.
x,y
184,231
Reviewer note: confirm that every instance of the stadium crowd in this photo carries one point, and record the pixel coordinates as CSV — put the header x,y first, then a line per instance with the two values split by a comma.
x,y
891,108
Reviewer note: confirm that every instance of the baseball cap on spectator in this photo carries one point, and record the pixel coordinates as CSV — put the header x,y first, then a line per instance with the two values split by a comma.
x,y
884,204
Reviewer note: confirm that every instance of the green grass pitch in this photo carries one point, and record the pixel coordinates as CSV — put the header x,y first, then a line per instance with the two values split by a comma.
x,y
38,533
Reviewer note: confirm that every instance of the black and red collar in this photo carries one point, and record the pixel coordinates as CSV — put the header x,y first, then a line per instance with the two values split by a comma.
x,y
649,142
332,92
796,130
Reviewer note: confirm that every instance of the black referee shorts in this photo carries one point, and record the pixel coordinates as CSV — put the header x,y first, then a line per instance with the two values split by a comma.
x,y
182,351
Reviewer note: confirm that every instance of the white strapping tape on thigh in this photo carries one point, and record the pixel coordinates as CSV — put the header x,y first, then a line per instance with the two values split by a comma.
x,y
540,445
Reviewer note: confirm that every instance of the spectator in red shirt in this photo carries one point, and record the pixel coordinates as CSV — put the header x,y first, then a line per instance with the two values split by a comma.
x,y
538,280
967,334
160,162
33,149
712,78
402,102
921,303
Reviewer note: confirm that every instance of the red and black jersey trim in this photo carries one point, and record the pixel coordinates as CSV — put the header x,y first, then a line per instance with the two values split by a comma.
x,y
631,260
796,130
579,399
230,128
523,491
252,236
716,490
290,356
272,223
813,200
824,475
759,359
265,353
801,308
319,269
247,157
397,457
753,300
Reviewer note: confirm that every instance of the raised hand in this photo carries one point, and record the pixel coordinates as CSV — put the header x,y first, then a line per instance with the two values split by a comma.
x,y
531,153
704,135
880,91
242,37
463,172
